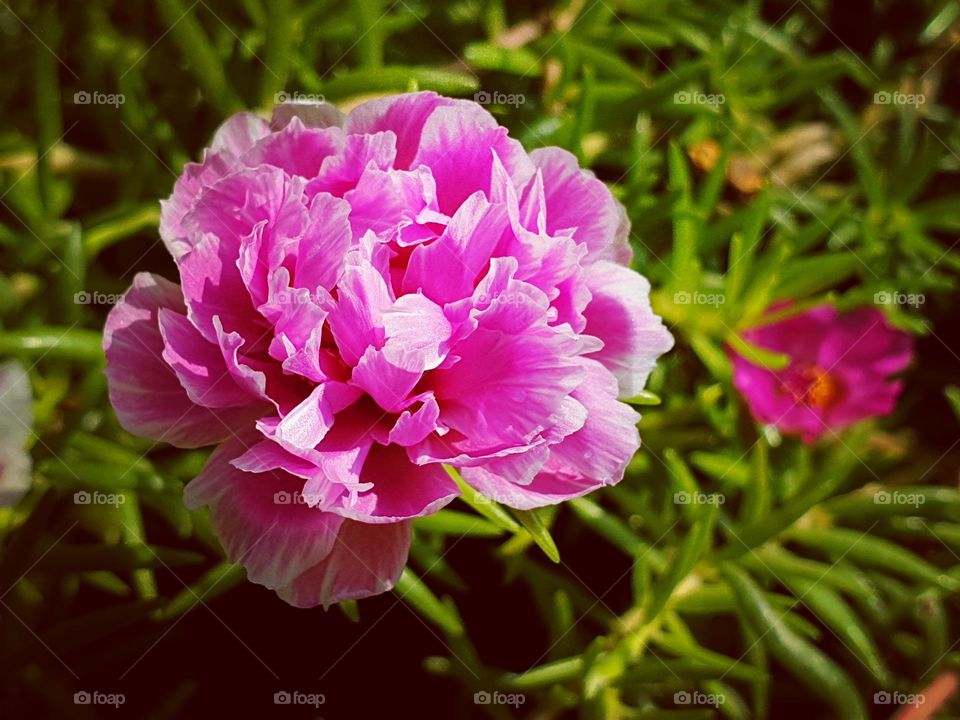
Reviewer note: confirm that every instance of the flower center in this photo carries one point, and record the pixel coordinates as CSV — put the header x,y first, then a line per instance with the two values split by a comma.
x,y
814,386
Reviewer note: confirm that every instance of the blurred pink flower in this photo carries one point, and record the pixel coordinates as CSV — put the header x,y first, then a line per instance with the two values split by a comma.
x,y
364,299
839,372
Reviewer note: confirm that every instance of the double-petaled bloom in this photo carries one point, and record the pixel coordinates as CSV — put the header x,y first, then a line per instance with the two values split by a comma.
x,y
365,299
839,372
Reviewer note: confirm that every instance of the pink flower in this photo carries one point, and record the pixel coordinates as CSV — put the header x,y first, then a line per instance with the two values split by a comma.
x,y
839,371
365,299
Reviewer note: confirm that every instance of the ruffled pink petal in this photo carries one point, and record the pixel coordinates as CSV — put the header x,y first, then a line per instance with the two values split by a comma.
x,y
398,489
325,242
511,378
417,333
261,519
414,425
556,483
366,560
576,200
619,314
239,133
145,392
469,169
340,173
389,385
603,446
231,140
307,424
189,186
387,201
403,115
213,287
447,269
357,320
198,364
296,149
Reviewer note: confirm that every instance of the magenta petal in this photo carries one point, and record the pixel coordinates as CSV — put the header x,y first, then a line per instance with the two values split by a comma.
x,y
447,269
417,333
340,174
556,483
239,133
232,139
403,115
144,390
399,490
213,287
619,314
388,201
365,560
510,379
267,455
516,469
357,320
260,520
577,201
296,149
477,137
305,425
198,364
320,257
413,426
604,445
387,384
